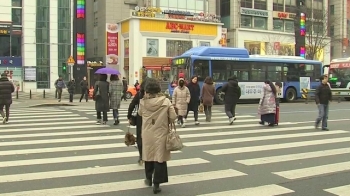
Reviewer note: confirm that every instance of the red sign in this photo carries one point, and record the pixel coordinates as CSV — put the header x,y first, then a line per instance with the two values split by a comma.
x,y
112,43
282,15
179,27
173,16
276,45
339,65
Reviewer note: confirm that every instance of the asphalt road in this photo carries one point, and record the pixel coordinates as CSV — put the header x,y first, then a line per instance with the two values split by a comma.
x,y
61,152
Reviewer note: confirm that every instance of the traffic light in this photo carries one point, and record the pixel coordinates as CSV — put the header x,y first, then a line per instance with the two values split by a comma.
x,y
64,68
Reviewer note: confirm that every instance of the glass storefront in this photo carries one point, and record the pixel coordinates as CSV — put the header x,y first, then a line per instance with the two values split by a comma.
x,y
269,48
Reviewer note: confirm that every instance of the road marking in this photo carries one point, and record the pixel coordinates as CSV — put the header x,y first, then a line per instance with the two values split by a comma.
x,y
34,120
40,113
129,185
243,132
30,116
71,159
293,157
92,171
47,124
52,128
277,146
314,171
259,138
267,190
339,191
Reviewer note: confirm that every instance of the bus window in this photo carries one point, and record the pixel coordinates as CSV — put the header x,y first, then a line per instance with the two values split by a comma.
x,y
201,69
258,72
222,70
274,71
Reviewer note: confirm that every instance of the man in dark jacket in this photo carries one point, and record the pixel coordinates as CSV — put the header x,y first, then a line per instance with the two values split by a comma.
x,y
71,89
323,96
6,90
84,89
232,94
59,84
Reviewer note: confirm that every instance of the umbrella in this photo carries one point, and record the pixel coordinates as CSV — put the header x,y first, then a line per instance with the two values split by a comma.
x,y
107,71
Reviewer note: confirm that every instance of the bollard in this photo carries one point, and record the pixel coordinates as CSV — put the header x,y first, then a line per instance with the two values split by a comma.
x,y
339,99
16,94
30,94
44,94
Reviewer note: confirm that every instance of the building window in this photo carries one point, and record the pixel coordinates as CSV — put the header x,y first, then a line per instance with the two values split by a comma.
x,y
246,21
43,44
16,16
278,25
318,28
260,23
64,35
247,3
278,5
5,45
152,47
16,3
177,47
331,9
290,6
16,45
225,8
331,31
260,4
289,26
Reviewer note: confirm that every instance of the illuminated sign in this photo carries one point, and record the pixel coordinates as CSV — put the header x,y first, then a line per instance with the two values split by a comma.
x,y
80,8
302,24
11,61
339,66
5,31
80,48
302,51
179,27
149,12
283,15
181,61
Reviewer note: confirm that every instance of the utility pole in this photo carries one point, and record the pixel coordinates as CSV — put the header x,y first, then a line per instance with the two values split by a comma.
x,y
300,28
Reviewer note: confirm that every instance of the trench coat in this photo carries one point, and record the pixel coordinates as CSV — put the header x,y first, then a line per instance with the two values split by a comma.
x,y
157,112
115,94
267,104
181,98
208,93
102,100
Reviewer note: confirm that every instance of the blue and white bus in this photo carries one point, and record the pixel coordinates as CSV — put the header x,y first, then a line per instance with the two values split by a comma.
x,y
221,63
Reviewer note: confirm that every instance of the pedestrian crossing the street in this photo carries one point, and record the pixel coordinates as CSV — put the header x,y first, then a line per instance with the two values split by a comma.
x,y
62,152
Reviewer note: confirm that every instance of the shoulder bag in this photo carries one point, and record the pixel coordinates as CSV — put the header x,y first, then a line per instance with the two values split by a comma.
x,y
173,140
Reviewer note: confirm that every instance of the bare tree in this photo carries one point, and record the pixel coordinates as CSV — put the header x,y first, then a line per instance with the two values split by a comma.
x,y
279,44
319,25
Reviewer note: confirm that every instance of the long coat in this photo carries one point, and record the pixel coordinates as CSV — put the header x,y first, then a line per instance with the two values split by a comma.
x,y
208,93
115,94
232,92
181,98
6,90
195,93
71,87
267,104
156,113
101,101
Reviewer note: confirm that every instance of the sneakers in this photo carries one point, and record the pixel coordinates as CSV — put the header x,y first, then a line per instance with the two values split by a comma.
x,y
196,123
185,120
231,120
98,122
183,125
116,122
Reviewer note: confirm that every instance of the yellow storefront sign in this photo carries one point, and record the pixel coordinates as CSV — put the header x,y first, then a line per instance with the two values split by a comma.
x,y
178,27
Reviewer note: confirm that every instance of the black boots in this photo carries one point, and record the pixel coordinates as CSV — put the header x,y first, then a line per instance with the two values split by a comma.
x,y
156,189
116,122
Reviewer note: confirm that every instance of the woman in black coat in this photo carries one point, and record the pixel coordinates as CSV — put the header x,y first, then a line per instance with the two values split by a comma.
x,y
133,108
195,92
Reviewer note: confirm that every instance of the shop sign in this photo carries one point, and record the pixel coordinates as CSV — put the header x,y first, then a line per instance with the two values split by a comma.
x,y
284,15
177,12
11,61
253,12
179,27
149,12
5,29
112,43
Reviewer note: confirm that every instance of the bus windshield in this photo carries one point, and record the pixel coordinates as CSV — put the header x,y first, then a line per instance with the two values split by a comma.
x,y
179,69
339,74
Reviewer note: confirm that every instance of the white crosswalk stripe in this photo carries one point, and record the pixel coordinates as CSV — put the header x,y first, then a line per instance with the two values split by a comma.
x,y
64,146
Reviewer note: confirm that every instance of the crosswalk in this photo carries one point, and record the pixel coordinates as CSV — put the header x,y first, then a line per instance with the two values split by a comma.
x,y
60,151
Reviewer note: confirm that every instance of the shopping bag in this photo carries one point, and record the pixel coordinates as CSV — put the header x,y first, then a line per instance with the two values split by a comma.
x,y
201,108
173,140
130,139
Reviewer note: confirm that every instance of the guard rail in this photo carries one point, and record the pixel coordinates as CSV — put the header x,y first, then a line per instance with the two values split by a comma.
x,y
307,94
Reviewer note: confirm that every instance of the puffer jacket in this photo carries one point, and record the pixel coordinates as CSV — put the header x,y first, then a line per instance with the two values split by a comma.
x,y
6,90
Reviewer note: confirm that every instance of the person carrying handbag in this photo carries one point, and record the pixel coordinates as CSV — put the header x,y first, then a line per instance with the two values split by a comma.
x,y
135,119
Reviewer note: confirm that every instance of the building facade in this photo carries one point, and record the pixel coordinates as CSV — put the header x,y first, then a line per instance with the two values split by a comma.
x,y
41,41
101,13
266,27
147,45
338,28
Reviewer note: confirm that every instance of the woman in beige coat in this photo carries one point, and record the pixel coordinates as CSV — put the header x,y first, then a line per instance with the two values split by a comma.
x,y
181,98
157,112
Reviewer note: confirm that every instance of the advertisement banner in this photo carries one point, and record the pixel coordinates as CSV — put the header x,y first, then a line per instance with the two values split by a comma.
x,y
112,45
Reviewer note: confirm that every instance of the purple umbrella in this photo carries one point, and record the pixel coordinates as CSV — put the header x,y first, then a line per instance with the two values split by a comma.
x,y
107,71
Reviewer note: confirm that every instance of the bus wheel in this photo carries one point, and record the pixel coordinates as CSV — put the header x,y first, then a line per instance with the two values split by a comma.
x,y
219,97
347,98
291,95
